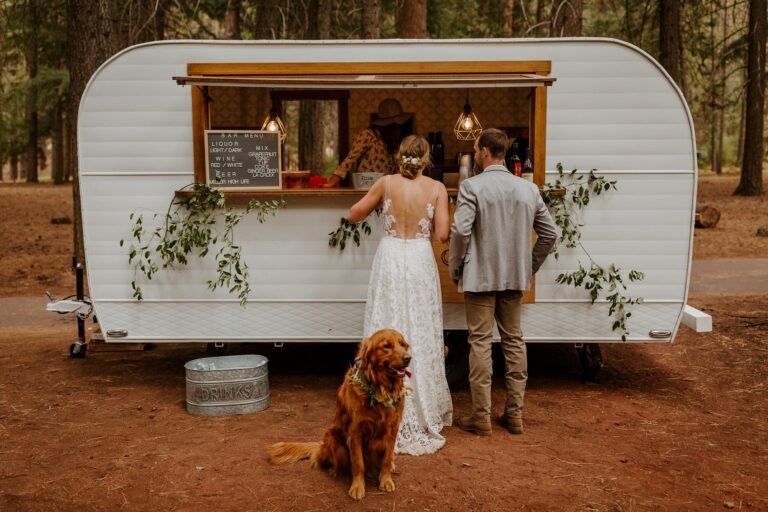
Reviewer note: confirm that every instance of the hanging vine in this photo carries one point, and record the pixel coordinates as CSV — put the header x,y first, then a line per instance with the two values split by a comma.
x,y
191,225
597,279
347,230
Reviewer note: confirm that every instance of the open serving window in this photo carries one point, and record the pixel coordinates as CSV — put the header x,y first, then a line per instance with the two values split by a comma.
x,y
241,96
508,95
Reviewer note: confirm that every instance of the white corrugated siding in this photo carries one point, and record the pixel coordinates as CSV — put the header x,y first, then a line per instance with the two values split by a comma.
x,y
611,108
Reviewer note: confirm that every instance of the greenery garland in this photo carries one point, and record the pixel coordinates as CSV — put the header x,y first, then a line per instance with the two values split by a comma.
x,y
348,230
597,279
190,225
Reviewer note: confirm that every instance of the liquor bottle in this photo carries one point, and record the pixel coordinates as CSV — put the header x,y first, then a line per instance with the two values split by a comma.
x,y
513,162
528,166
439,156
431,140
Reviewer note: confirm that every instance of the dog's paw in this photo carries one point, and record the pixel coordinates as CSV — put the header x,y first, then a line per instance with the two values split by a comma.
x,y
386,484
357,490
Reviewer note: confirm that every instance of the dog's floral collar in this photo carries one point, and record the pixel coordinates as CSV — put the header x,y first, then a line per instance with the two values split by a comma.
x,y
357,377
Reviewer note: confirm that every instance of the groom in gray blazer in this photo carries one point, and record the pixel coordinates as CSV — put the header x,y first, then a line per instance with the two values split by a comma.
x,y
492,261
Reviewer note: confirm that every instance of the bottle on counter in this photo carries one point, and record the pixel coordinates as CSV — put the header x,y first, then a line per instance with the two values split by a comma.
x,y
513,162
431,140
439,154
528,166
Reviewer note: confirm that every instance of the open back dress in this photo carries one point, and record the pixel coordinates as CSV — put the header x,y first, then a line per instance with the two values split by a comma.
x,y
404,294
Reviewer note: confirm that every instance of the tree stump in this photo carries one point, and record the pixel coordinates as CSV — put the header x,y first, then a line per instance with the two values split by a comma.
x,y
707,216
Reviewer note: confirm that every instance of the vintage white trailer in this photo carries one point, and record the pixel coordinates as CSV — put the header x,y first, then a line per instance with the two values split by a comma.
x,y
612,107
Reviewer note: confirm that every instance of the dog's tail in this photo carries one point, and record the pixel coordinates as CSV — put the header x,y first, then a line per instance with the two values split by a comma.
x,y
280,453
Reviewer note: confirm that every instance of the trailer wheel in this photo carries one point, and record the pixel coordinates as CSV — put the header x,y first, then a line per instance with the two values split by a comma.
x,y
591,360
457,358
78,350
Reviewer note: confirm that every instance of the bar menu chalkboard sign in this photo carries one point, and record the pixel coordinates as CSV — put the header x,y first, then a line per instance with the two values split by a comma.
x,y
242,159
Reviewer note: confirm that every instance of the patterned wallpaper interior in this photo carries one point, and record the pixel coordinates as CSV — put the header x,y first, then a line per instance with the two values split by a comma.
x,y
239,107
434,109
438,110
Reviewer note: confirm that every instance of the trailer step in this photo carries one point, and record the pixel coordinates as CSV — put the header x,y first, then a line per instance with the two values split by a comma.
x,y
696,320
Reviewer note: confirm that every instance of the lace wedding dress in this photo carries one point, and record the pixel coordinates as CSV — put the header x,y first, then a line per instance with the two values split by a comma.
x,y
404,294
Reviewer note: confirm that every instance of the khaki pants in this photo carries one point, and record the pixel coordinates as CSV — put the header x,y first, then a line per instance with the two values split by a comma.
x,y
482,309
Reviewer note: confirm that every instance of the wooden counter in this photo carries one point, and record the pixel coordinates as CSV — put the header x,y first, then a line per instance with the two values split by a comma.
x,y
310,192
295,192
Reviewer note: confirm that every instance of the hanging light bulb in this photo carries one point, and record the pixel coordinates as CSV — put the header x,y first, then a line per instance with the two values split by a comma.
x,y
273,123
467,127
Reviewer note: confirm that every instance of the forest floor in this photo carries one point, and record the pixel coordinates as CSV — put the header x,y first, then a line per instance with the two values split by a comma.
x,y
670,427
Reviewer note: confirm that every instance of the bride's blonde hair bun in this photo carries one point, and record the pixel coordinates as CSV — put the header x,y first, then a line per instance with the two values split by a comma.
x,y
413,156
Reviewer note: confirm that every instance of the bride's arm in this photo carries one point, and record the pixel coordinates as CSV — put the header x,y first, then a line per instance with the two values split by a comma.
x,y
367,204
442,217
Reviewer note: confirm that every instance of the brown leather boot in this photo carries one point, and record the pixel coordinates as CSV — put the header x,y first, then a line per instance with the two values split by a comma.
x,y
514,424
470,424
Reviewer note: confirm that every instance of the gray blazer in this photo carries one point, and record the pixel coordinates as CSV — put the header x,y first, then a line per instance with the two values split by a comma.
x,y
492,234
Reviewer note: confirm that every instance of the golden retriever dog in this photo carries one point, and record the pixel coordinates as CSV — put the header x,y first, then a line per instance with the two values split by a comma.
x,y
369,406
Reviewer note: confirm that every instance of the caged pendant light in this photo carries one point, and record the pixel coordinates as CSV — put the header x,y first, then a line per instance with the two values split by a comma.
x,y
467,127
273,123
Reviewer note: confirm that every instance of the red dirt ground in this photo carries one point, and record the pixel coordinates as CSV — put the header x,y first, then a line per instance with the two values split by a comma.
x,y
670,427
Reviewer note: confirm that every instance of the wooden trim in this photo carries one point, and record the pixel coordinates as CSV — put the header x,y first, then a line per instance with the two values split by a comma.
x,y
313,192
542,67
539,140
198,133
302,192
319,81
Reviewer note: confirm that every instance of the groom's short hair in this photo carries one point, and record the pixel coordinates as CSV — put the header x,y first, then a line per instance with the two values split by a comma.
x,y
495,140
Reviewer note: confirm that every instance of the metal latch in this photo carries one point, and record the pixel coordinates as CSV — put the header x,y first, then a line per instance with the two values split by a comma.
x,y
659,333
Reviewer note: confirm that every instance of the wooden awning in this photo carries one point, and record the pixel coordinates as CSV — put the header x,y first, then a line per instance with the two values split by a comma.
x,y
390,81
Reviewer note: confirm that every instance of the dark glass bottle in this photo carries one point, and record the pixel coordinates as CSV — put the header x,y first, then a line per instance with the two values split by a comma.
x,y
528,166
439,155
513,162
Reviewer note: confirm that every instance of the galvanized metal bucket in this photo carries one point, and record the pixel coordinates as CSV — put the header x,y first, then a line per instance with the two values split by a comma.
x,y
227,385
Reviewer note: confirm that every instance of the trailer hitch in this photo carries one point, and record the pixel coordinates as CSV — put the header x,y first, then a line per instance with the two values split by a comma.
x,y
81,306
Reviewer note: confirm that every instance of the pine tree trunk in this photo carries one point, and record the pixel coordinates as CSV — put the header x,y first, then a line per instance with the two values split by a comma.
x,y
67,171
31,105
232,20
14,168
751,182
370,19
720,159
742,126
541,21
57,167
712,91
670,40
411,19
566,18
509,11
268,22
91,40
324,19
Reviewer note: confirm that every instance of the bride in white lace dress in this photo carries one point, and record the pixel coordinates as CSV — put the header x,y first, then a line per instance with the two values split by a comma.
x,y
404,289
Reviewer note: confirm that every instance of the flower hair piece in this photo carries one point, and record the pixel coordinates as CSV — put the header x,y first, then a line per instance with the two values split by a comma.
x,y
409,160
